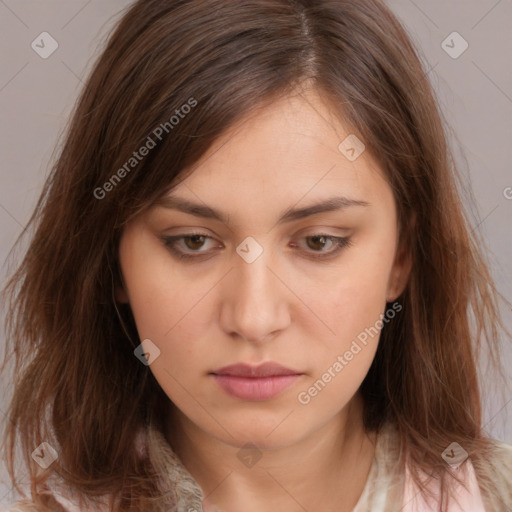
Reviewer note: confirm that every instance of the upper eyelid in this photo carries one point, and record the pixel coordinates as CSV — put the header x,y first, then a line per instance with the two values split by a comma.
x,y
338,242
305,235
303,232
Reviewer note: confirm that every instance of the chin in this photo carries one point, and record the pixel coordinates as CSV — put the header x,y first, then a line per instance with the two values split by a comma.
x,y
272,431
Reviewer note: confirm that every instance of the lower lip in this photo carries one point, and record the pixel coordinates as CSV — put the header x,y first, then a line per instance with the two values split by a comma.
x,y
255,388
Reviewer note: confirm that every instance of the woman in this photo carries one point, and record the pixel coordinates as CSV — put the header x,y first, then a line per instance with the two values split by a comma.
x,y
250,283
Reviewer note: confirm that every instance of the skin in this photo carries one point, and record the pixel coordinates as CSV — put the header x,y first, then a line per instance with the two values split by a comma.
x,y
287,306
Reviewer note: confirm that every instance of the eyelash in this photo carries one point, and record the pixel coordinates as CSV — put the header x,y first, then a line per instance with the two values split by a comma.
x,y
339,242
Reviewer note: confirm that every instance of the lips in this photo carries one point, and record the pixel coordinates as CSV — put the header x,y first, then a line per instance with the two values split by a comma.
x,y
255,383
263,370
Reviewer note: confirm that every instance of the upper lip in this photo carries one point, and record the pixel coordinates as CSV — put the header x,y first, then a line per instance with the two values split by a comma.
x,y
269,369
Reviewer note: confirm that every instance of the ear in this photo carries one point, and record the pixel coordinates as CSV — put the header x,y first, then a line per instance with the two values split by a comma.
x,y
401,270
121,295
120,288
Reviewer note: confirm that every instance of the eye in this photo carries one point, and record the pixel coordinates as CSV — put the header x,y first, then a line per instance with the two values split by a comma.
x,y
319,241
193,242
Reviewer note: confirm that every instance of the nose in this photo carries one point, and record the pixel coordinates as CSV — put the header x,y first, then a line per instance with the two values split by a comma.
x,y
254,301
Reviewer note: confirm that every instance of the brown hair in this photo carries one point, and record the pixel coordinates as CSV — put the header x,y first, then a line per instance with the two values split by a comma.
x,y
79,386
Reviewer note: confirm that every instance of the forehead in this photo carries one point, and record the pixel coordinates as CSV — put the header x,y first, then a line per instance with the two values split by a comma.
x,y
293,151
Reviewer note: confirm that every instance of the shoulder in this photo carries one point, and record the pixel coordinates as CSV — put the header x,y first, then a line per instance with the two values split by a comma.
x,y
486,483
465,496
22,506
501,457
62,499
67,505
57,500
495,475
26,505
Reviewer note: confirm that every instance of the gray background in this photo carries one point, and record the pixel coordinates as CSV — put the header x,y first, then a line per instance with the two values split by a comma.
x,y
474,91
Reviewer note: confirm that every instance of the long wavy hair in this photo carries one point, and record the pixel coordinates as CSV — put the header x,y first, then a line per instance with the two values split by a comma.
x,y
77,383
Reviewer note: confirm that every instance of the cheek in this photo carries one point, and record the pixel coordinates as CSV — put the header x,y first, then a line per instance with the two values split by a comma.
x,y
351,300
161,294
354,311
172,317
174,312
357,306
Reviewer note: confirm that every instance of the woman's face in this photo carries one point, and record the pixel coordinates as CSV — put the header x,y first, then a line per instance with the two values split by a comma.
x,y
271,280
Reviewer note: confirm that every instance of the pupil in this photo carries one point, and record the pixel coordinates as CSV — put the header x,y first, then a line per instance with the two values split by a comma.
x,y
322,238
196,240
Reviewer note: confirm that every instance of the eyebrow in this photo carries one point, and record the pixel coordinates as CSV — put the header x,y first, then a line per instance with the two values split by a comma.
x,y
288,215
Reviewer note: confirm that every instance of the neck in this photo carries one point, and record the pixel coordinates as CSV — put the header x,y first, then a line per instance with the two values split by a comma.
x,y
325,470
